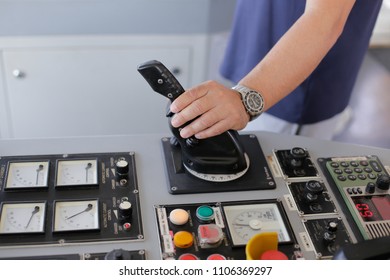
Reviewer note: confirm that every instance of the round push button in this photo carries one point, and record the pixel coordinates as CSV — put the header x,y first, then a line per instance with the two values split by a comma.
x,y
183,239
216,257
178,217
188,257
273,255
205,213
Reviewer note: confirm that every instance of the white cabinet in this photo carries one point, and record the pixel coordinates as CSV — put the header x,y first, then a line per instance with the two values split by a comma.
x,y
73,86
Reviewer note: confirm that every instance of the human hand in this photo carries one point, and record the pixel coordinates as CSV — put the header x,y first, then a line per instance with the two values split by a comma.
x,y
217,107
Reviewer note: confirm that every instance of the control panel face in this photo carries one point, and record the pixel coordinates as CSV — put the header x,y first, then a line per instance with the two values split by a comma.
x,y
296,163
94,197
363,185
325,232
75,198
221,230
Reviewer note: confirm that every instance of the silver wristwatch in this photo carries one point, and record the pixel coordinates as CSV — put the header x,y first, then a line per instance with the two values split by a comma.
x,y
253,101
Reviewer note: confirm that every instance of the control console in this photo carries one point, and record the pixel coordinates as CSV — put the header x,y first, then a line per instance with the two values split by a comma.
x,y
212,199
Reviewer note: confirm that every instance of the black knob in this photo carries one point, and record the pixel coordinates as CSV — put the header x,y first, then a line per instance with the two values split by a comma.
x,y
118,254
298,153
330,233
370,188
122,167
125,210
383,182
313,189
332,227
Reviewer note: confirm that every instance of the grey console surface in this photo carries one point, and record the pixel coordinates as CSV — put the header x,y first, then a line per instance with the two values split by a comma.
x,y
153,186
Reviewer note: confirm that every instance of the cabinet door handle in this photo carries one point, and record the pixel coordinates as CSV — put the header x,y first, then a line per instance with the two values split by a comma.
x,y
18,73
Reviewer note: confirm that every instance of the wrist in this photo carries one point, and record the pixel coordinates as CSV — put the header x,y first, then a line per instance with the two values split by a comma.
x,y
252,101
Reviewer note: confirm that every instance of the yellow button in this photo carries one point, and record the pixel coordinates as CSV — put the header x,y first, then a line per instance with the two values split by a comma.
x,y
183,239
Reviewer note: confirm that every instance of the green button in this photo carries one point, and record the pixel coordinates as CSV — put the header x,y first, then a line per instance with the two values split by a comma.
x,y
205,213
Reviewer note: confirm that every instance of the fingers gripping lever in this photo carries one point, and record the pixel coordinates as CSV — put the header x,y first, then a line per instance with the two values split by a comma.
x,y
222,154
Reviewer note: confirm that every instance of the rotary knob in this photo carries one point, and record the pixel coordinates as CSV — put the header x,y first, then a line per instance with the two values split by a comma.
x,y
122,167
125,210
298,153
312,190
121,171
118,254
297,156
330,233
370,188
383,182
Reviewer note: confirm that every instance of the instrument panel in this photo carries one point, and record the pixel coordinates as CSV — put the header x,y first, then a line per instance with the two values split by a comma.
x,y
69,198
105,204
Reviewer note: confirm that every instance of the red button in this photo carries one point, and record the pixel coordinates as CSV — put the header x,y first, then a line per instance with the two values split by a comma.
x,y
216,257
273,255
127,226
188,257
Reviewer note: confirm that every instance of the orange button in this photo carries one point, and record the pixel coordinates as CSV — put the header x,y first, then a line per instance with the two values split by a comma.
x,y
183,239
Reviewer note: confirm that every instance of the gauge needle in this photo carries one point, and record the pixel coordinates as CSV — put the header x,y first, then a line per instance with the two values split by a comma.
x,y
40,168
36,210
241,224
89,207
89,165
253,224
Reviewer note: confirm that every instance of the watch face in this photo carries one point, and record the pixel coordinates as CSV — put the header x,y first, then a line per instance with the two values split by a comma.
x,y
254,102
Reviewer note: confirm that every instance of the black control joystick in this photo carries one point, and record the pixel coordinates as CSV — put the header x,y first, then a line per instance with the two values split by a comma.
x,y
221,154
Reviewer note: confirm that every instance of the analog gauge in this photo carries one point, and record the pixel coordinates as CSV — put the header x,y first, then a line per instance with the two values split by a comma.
x,y
76,215
27,174
244,221
22,217
77,172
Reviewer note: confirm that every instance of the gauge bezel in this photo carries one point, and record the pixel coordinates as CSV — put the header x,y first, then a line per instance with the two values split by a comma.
x,y
230,212
58,220
12,165
20,205
61,164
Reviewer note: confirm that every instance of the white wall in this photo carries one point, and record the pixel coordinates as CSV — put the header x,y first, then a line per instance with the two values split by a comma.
x,y
381,36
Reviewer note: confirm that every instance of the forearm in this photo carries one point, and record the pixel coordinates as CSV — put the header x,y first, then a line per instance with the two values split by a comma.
x,y
300,50
214,108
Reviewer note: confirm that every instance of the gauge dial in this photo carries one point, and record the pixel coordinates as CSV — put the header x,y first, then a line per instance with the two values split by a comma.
x,y
27,174
76,215
244,221
22,217
77,172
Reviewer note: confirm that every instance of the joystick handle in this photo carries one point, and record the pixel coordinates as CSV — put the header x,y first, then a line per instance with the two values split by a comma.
x,y
221,154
